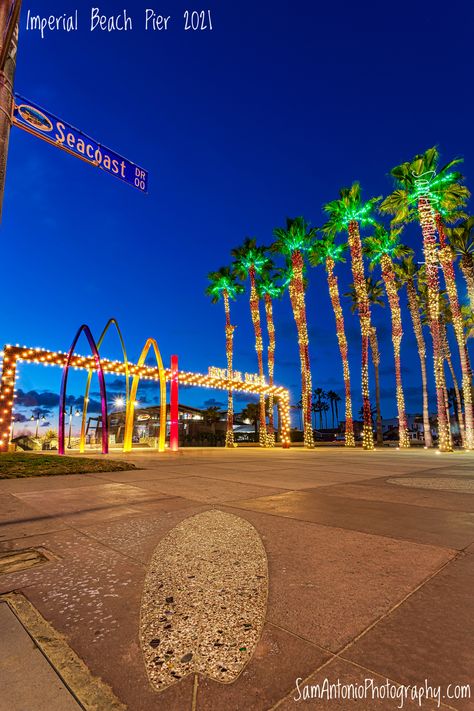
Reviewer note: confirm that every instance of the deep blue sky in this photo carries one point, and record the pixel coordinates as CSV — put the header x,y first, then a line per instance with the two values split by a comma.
x,y
267,116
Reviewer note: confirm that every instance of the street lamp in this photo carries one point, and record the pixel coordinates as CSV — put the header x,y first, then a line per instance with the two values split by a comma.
x,y
38,419
76,414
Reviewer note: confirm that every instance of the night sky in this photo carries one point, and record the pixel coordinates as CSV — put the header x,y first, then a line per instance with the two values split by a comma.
x,y
268,115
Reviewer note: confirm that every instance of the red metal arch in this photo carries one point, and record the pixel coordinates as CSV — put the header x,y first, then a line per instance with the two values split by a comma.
x,y
103,395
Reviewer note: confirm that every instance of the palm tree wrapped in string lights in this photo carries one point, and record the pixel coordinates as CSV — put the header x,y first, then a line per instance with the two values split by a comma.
x,y
293,242
223,285
349,213
327,252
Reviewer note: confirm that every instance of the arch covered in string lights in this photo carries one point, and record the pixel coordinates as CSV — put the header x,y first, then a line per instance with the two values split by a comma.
x,y
110,322
103,395
127,441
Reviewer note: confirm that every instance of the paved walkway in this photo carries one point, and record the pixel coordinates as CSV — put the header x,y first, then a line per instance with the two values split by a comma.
x,y
343,565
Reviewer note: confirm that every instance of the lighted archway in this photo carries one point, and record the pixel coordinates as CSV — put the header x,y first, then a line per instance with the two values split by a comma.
x,y
103,395
127,442
110,322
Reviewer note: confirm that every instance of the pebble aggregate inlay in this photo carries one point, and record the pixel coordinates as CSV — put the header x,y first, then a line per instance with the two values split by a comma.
x,y
204,599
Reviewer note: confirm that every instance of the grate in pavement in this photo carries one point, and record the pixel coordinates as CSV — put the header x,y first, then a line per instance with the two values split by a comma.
x,y
22,560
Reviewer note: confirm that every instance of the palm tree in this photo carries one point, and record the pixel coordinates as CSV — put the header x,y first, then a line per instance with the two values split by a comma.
x,y
223,284
252,413
418,194
444,319
382,248
249,261
326,252
293,241
374,290
451,200
299,408
461,238
407,272
319,398
348,214
269,289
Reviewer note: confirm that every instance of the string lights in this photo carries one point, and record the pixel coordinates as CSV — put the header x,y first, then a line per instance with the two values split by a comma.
x,y
428,228
343,348
16,354
446,258
388,276
363,305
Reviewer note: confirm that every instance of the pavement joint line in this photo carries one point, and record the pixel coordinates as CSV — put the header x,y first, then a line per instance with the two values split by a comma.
x,y
340,528
90,692
339,653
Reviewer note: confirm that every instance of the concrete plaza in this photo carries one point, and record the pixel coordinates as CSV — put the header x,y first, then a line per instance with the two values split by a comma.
x,y
370,576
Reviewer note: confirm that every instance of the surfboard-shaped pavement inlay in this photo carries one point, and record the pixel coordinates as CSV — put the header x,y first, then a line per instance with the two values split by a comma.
x,y
204,599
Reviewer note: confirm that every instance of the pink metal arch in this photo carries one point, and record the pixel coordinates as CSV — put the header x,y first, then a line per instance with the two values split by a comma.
x,y
103,395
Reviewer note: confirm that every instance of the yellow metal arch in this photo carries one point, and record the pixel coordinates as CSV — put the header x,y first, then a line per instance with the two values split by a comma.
x,y
110,322
127,442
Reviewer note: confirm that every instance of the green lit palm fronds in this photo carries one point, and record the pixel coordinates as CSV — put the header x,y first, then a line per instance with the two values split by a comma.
x,y
461,237
384,242
249,256
349,208
326,248
297,236
223,280
375,292
421,177
468,319
407,269
271,281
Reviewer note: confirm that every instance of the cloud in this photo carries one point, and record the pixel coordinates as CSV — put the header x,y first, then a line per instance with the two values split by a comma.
x,y
212,402
35,398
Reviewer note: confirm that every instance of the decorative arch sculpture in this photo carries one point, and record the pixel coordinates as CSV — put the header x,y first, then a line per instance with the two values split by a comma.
x,y
110,322
127,442
103,395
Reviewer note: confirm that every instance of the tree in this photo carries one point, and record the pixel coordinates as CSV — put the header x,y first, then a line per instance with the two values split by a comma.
x,y
293,242
417,195
461,238
269,289
252,413
211,415
223,285
319,397
348,213
326,252
451,199
382,248
374,290
299,408
250,261
407,273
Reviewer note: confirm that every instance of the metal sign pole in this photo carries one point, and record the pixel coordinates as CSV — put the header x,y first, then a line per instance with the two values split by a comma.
x,y
9,17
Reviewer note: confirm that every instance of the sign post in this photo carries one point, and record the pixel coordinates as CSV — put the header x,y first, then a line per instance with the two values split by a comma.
x,y
9,14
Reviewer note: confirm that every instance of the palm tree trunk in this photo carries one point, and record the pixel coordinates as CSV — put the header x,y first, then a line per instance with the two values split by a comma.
x,y
446,258
388,276
229,336
271,366
467,268
418,330
255,313
343,349
374,346
428,228
297,297
458,409
358,275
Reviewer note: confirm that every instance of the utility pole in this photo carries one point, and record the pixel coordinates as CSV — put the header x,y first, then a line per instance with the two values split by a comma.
x,y
9,19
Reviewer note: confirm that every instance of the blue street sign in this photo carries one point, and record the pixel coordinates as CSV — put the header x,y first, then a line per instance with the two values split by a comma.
x,y
48,127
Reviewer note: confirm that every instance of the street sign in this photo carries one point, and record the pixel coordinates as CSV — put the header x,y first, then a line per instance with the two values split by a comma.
x,y
50,128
